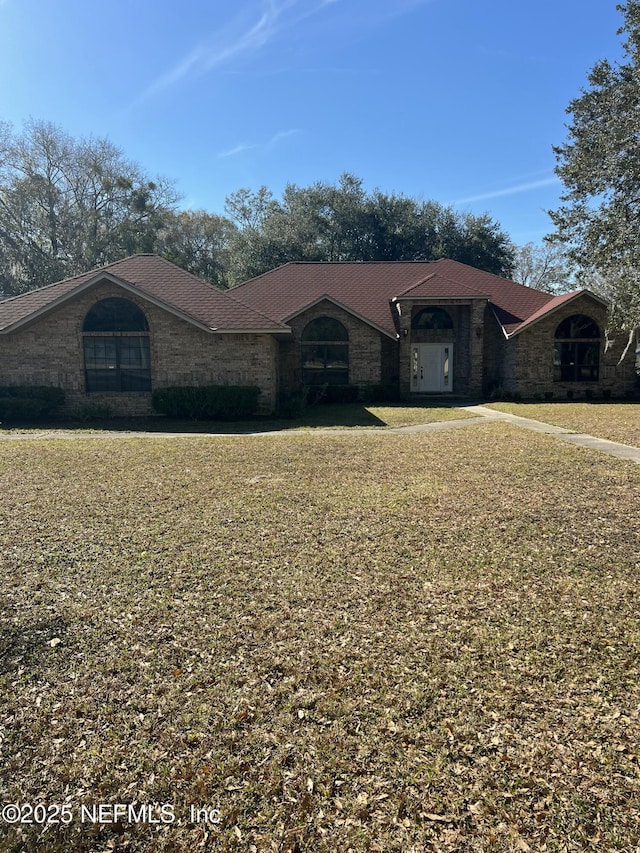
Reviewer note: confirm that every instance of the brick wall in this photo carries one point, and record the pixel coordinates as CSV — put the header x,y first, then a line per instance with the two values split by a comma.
x,y
49,352
532,351
373,356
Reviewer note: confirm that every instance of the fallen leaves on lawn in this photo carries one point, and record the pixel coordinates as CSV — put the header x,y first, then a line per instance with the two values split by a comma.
x,y
365,643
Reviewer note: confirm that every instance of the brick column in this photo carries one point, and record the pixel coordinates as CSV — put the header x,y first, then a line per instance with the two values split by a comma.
x,y
404,360
476,347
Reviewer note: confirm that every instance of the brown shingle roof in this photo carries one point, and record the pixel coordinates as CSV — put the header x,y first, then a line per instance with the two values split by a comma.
x,y
158,279
267,302
368,288
19,308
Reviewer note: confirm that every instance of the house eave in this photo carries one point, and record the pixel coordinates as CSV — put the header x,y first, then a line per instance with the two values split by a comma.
x,y
502,328
433,297
273,331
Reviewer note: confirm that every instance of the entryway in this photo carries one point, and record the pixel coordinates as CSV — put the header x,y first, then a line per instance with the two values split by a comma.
x,y
432,368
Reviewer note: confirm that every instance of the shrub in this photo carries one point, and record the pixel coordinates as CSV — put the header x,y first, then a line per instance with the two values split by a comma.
x,y
207,402
28,403
51,395
548,395
313,394
18,409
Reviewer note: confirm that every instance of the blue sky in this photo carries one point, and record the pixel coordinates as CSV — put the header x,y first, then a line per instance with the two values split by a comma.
x,y
459,101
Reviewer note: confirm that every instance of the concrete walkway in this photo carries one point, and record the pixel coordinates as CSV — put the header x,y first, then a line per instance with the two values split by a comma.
x,y
622,451
482,415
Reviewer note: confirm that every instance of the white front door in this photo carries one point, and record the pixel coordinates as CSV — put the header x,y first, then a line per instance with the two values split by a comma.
x,y
432,368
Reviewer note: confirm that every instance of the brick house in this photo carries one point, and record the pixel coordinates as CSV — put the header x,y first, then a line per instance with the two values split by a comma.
x,y
113,335
437,327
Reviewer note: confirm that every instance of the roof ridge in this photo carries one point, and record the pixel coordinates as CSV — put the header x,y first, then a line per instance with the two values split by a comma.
x,y
416,284
470,286
475,269
182,270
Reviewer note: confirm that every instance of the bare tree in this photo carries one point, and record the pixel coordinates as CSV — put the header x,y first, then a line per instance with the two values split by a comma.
x,y
544,267
69,205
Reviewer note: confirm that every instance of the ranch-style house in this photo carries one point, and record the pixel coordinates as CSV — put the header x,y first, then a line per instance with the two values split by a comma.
x,y
111,336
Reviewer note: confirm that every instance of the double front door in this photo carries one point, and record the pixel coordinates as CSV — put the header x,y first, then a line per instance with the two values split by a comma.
x,y
431,368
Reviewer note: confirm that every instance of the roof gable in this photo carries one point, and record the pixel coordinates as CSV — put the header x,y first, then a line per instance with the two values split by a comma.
x,y
326,298
155,279
553,305
512,303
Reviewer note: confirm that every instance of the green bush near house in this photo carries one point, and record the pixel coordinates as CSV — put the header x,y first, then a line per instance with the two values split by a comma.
x,y
29,403
208,402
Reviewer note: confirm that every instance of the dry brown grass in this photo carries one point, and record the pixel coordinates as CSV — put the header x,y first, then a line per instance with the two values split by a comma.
x,y
344,416
365,643
613,421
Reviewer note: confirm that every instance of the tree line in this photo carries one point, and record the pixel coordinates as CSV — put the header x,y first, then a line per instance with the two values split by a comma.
x,y
68,205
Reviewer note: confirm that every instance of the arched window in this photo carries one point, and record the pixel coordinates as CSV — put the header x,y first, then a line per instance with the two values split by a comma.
x,y
432,318
116,347
325,352
577,350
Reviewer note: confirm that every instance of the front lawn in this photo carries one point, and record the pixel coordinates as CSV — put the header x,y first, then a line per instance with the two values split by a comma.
x,y
343,416
614,421
340,642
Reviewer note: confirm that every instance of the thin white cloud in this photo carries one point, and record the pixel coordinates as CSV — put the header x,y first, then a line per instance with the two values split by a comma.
x,y
524,187
285,134
238,149
250,32
275,140
242,36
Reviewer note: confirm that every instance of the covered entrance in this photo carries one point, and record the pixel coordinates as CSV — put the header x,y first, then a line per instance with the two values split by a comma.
x,y
432,368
